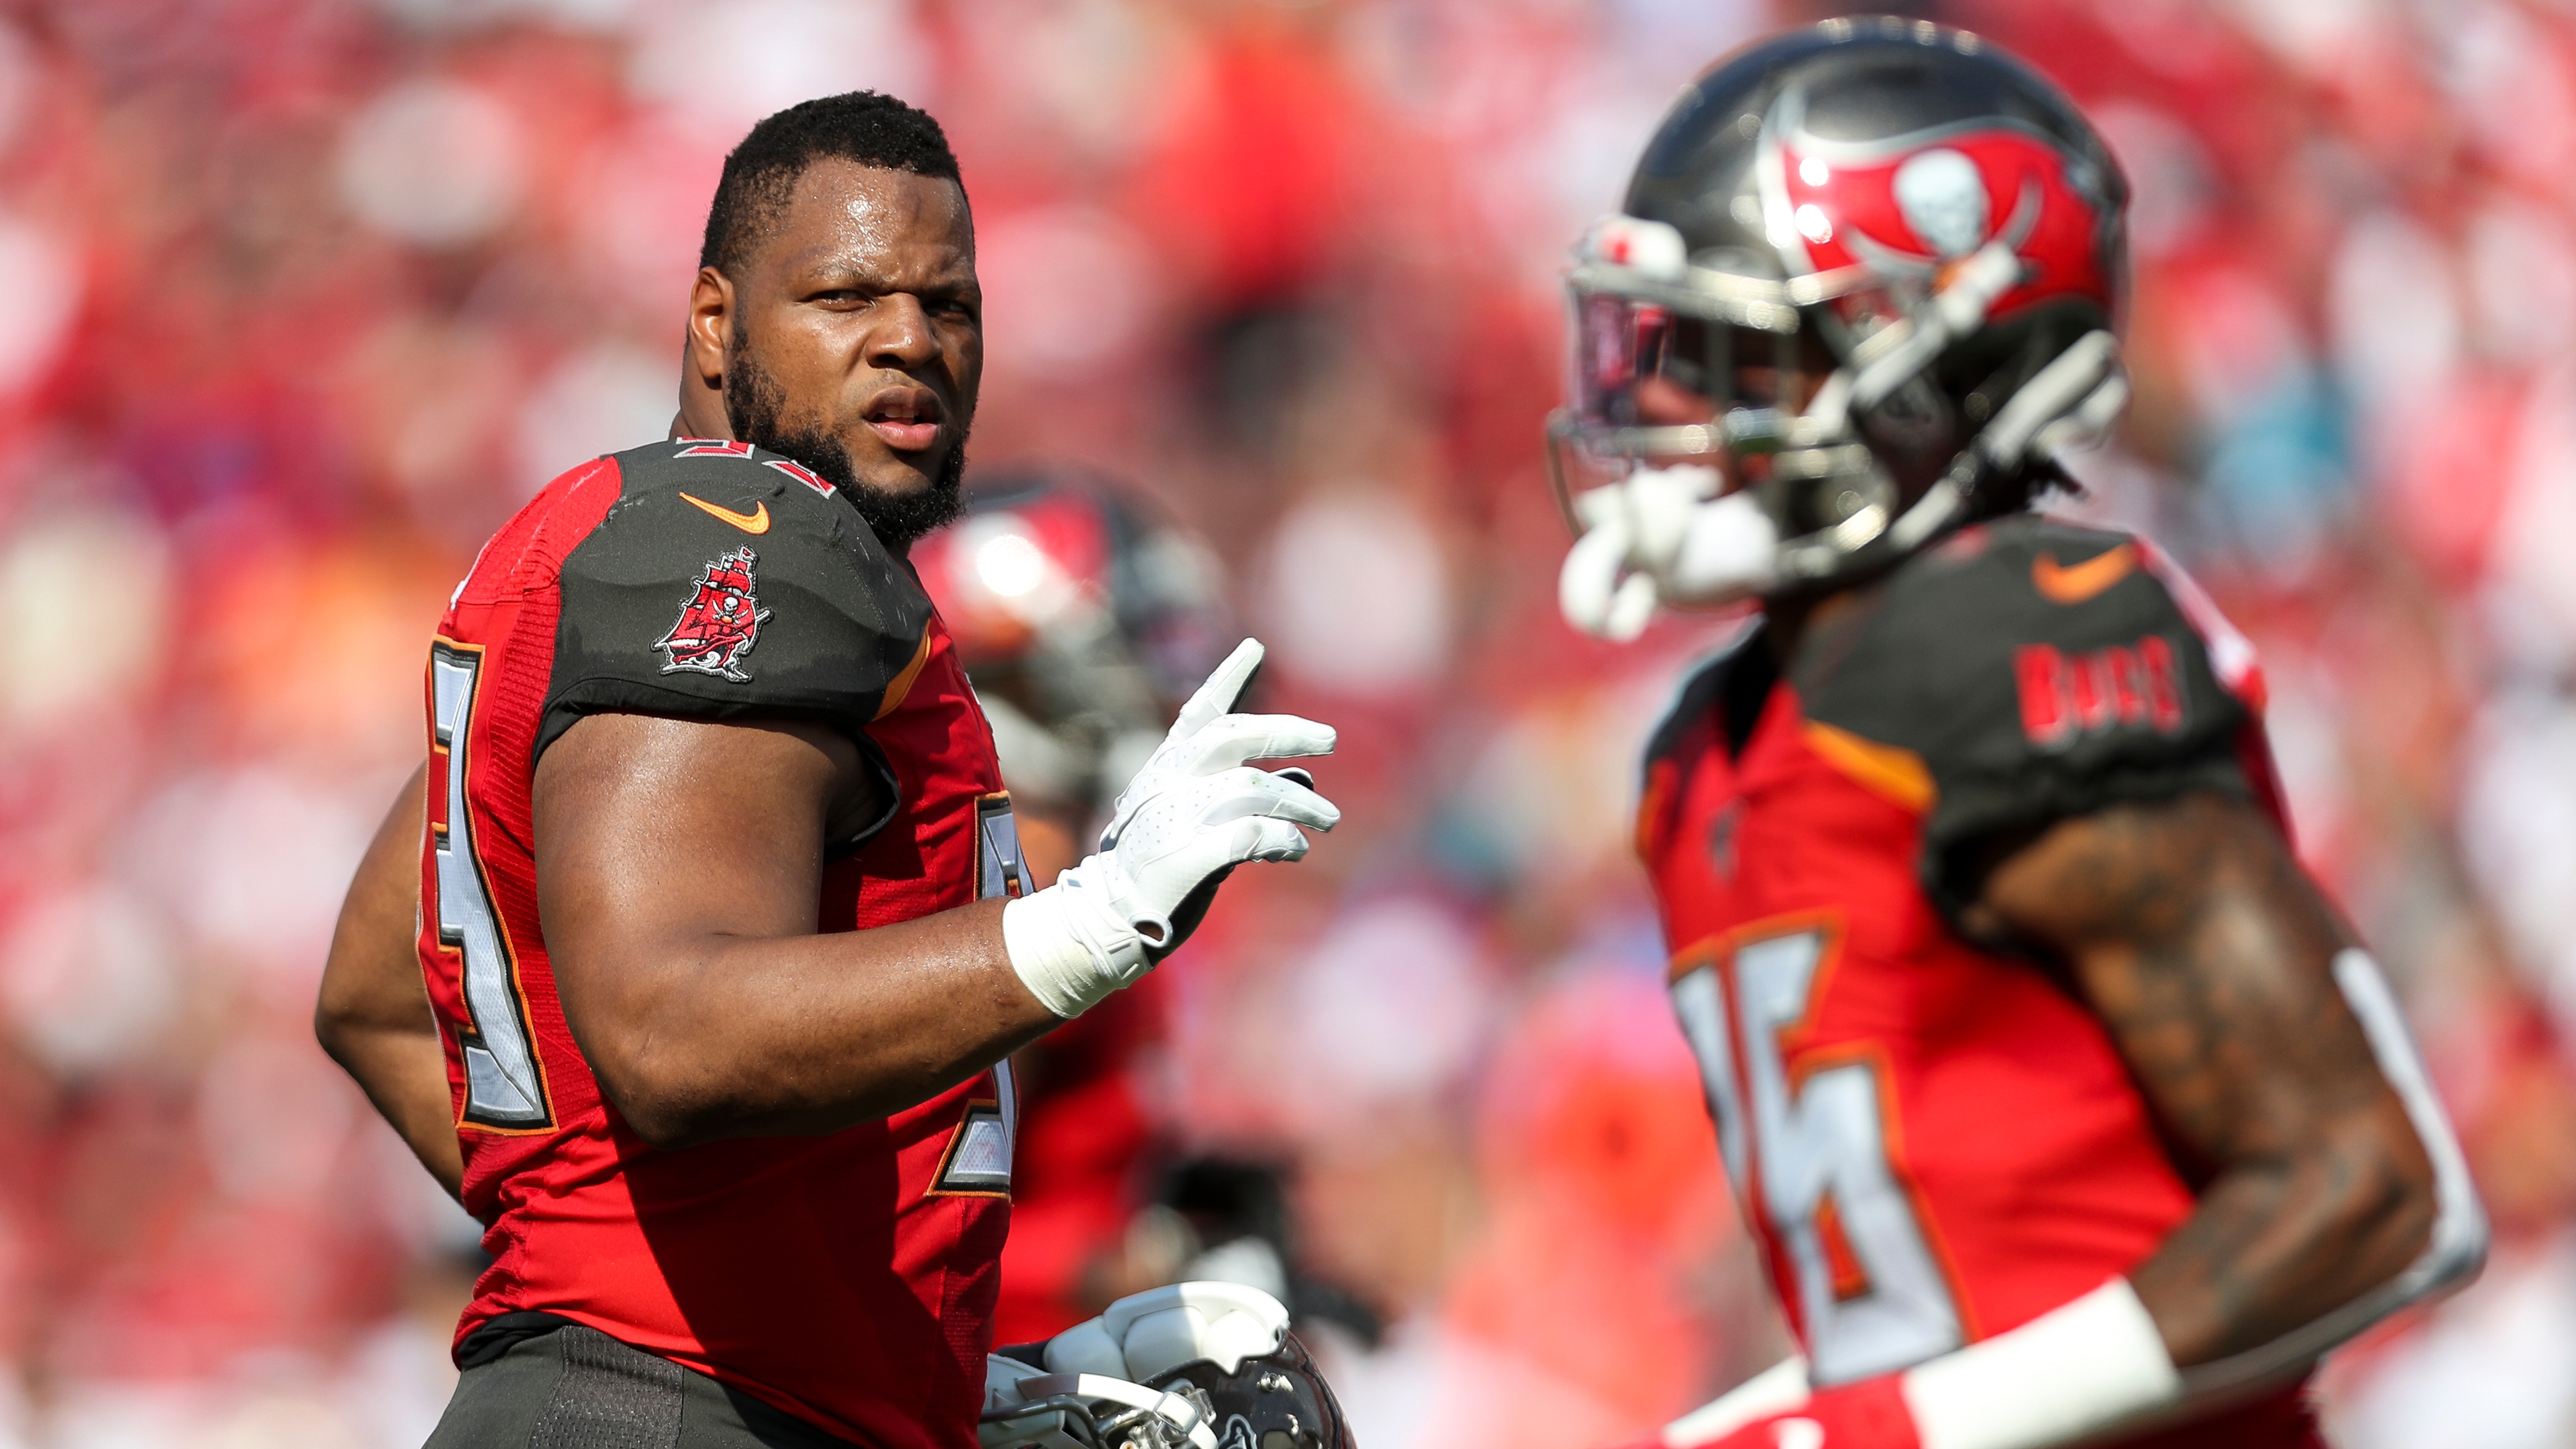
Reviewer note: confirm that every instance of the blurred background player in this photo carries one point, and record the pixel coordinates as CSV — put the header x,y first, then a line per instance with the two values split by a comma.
x,y
1076,624
1084,617
2061,1102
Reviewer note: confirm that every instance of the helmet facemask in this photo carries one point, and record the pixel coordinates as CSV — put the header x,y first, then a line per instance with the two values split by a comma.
x,y
1818,397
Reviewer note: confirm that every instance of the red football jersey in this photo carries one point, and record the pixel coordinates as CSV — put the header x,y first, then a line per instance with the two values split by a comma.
x,y
1932,1142
847,1279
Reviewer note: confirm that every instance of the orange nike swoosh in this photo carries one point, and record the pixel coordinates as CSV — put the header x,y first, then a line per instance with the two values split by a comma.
x,y
756,521
2074,583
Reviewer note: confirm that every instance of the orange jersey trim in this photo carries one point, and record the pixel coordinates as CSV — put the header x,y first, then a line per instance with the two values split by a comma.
x,y
1898,776
900,687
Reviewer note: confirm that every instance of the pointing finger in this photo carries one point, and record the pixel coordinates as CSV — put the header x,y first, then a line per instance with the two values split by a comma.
x,y
1222,691
1232,739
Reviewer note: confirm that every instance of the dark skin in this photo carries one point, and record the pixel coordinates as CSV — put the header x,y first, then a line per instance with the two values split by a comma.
x,y
859,302
2191,931
2195,936
680,862
372,1015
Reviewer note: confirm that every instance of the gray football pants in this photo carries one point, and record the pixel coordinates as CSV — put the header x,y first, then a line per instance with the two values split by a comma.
x,y
578,1388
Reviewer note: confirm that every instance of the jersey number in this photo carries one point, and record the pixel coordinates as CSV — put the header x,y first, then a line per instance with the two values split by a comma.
x,y
503,1086
999,870
1869,1291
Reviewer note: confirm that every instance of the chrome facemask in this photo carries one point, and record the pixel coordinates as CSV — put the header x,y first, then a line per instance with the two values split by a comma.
x,y
1714,333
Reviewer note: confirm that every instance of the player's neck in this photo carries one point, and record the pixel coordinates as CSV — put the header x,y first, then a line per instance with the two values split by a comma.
x,y
1787,622
702,413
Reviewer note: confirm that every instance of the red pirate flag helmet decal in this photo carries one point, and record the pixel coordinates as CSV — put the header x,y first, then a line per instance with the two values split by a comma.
x,y
719,622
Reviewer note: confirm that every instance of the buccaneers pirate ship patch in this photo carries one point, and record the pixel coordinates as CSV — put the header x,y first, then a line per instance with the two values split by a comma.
x,y
720,621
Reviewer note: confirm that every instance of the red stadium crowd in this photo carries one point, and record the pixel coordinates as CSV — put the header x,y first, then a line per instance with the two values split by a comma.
x,y
305,297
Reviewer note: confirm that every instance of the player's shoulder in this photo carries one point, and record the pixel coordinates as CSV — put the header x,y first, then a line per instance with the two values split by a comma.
x,y
683,502
2027,578
755,491
1983,596
721,582
2018,636
670,494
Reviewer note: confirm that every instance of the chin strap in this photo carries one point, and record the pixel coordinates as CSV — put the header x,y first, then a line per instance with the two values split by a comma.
x,y
1666,536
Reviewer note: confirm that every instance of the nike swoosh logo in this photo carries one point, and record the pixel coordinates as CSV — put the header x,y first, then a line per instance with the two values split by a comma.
x,y
2074,583
756,521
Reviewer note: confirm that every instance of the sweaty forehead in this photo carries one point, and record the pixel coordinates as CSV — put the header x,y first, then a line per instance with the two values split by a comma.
x,y
875,220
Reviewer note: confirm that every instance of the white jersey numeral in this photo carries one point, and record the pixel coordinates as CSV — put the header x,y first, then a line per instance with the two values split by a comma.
x,y
999,870
1816,1148
504,1087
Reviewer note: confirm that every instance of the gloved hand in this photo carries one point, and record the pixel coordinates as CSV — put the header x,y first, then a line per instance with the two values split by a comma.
x,y
1192,814
1663,536
1107,1360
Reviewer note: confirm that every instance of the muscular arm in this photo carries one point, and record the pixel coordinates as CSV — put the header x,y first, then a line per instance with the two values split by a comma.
x,y
2197,939
372,1015
679,867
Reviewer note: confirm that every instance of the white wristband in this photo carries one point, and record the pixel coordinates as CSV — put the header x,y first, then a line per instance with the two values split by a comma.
x,y
2065,1375
1776,1390
1068,947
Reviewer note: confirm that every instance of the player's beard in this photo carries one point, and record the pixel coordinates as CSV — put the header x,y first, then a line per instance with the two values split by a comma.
x,y
756,404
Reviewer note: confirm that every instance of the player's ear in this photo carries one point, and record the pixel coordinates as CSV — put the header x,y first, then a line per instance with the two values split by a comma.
x,y
711,303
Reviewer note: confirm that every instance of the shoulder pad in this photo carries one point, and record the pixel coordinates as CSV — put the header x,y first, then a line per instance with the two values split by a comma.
x,y
2038,670
749,487
730,583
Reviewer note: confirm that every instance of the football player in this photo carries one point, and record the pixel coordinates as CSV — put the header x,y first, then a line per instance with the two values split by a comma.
x,y
723,925
2060,1103
1083,619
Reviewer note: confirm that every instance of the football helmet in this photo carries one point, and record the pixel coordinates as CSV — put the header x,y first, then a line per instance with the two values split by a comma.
x,y
1863,288
1082,620
1206,1365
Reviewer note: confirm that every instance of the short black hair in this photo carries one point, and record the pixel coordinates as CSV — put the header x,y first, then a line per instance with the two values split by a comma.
x,y
861,126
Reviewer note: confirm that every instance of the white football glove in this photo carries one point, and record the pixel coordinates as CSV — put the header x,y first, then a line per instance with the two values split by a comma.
x,y
1663,536
1192,814
1107,1359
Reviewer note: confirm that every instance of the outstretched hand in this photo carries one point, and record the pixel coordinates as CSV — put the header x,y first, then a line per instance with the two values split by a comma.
x,y
1193,813
1198,809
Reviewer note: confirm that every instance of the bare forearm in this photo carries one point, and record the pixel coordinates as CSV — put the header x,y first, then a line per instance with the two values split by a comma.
x,y
2273,1247
2208,956
717,1010
2228,1014
810,1034
405,1075
372,1014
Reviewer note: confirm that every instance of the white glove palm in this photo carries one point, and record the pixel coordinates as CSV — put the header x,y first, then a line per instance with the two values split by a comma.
x,y
1194,812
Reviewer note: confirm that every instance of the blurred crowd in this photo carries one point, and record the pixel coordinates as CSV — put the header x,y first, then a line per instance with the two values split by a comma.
x,y
303,297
